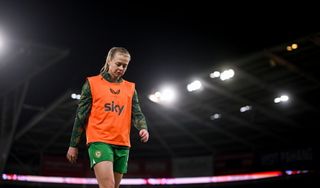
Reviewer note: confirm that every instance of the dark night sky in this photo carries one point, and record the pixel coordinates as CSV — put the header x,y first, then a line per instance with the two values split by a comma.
x,y
167,41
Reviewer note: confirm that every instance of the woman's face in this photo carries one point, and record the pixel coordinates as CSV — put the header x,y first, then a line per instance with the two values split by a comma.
x,y
118,65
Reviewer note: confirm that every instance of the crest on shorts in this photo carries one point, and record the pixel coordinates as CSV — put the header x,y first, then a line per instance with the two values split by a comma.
x,y
98,154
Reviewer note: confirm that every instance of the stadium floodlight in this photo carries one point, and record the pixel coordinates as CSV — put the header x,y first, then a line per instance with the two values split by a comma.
x,y
227,74
168,94
293,46
215,116
282,98
193,86
245,108
164,96
215,74
75,96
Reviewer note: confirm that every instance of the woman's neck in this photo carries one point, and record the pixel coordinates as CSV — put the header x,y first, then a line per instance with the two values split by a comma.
x,y
110,77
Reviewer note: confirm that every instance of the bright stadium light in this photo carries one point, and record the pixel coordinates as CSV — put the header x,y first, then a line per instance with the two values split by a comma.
x,y
227,74
75,96
165,96
282,98
193,86
245,108
215,116
168,94
215,74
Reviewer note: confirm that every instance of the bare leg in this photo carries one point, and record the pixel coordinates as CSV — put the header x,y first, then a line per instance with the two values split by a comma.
x,y
104,174
117,179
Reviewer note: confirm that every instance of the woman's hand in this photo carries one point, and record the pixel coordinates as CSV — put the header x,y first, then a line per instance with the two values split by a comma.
x,y
144,135
72,155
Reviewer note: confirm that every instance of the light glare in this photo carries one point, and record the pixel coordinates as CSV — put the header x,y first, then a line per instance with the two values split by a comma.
x,y
195,85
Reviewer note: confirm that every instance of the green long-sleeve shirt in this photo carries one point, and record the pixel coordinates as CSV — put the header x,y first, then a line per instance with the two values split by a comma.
x,y
84,108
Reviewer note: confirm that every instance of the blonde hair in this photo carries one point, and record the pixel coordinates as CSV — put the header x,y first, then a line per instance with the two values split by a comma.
x,y
111,55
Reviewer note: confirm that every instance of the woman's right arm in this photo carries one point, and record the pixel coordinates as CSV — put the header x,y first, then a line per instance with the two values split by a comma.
x,y
81,119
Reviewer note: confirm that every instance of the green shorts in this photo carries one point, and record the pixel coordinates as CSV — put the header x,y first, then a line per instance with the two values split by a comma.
x,y
105,152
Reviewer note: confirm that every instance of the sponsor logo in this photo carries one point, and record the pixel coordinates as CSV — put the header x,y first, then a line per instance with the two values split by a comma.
x,y
113,108
114,92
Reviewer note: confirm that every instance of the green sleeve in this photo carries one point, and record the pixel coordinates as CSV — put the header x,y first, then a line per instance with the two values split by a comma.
x,y
138,118
82,115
